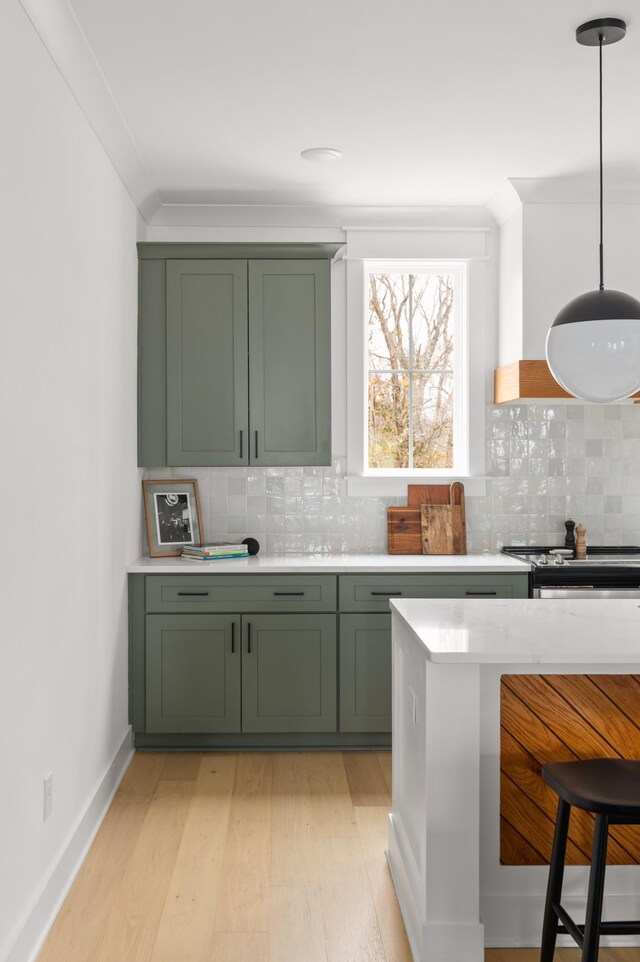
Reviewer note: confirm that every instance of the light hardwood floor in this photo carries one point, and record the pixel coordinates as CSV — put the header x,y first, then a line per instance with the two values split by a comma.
x,y
253,857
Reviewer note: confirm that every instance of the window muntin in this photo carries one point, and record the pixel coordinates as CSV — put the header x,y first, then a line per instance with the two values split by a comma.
x,y
415,352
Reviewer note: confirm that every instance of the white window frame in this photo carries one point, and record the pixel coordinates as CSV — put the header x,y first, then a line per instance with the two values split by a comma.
x,y
460,366
469,379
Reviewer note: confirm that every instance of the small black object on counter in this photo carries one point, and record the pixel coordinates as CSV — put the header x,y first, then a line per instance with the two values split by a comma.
x,y
253,546
570,536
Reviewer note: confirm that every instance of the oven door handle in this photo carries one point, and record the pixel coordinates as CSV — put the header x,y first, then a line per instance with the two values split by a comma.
x,y
587,592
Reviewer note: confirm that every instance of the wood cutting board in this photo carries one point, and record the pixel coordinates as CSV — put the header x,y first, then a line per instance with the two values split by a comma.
x,y
404,530
418,494
444,525
409,530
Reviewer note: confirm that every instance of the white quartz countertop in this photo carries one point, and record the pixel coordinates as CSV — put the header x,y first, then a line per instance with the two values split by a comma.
x,y
337,564
524,630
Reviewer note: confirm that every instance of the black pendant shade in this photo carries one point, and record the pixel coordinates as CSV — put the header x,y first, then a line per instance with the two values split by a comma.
x,y
593,345
599,306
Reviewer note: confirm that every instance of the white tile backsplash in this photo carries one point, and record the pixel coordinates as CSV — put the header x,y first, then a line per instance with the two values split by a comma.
x,y
545,463
580,462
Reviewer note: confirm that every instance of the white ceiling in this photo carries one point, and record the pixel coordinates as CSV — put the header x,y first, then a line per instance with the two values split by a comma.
x,y
431,103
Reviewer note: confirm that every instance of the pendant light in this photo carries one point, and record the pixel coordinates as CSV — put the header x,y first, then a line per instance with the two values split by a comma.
x,y
593,346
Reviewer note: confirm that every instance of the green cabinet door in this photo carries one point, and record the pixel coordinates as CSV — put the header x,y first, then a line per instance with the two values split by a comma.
x,y
193,673
289,673
290,362
207,378
365,673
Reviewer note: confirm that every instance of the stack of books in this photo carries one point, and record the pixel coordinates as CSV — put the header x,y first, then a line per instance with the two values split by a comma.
x,y
214,552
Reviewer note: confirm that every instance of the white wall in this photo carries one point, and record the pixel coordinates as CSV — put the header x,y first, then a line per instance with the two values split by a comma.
x,y
549,255
69,486
510,289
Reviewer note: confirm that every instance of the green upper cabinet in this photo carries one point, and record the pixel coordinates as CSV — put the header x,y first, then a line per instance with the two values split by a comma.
x,y
207,378
289,362
234,354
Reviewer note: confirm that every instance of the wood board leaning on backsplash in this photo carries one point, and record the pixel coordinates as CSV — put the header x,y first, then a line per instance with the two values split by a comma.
x,y
433,522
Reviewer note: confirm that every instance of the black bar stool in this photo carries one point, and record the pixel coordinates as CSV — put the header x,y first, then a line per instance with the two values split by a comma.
x,y
610,788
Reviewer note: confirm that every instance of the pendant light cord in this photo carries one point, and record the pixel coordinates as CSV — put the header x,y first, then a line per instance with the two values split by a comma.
x,y
601,181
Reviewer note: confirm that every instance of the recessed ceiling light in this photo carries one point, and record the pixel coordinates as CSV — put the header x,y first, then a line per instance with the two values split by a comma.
x,y
321,155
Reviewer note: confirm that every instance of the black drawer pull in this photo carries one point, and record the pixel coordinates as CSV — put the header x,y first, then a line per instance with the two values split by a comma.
x,y
249,638
288,594
193,594
241,445
233,637
256,444
387,594
481,594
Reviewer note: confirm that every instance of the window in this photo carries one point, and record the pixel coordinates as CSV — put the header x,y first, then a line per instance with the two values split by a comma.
x,y
418,352
416,336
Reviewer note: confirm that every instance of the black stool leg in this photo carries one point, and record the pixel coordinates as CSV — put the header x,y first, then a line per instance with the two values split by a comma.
x,y
554,885
596,890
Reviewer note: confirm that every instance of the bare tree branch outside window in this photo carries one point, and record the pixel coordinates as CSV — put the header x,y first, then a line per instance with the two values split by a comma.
x,y
410,335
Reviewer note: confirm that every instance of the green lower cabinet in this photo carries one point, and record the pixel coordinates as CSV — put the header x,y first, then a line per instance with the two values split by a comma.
x,y
365,673
289,673
193,673
200,678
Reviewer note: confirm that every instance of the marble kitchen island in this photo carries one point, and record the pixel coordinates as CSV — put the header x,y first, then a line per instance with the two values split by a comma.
x,y
451,659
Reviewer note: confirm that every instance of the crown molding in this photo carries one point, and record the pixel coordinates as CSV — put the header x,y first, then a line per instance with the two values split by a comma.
x,y
504,203
302,222
518,191
575,190
63,37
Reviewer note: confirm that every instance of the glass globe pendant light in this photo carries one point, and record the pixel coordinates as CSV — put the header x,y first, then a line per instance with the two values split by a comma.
x,y
593,346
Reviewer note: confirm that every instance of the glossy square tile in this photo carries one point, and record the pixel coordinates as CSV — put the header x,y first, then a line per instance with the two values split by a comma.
x,y
544,462
237,504
237,486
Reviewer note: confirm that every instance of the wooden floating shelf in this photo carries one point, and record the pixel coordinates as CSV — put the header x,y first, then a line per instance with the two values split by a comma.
x,y
524,380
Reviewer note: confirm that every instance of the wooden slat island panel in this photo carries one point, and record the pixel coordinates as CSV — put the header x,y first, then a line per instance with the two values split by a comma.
x,y
548,718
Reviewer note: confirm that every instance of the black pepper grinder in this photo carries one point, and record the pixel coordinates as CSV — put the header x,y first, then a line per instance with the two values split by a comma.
x,y
570,536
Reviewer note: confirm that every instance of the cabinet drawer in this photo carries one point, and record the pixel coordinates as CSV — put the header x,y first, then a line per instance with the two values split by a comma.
x,y
205,593
373,592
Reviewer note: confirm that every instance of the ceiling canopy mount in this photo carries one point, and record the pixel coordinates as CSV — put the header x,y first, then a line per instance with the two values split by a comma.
x,y
610,29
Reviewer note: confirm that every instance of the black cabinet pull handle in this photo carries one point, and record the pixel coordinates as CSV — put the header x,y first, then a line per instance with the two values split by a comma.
x,y
288,594
387,594
233,637
249,638
481,594
241,444
194,594
256,444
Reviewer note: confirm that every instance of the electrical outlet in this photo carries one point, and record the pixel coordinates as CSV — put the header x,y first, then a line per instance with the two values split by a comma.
x,y
48,797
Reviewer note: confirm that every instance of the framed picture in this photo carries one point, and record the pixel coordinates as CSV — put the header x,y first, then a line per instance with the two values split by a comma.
x,y
172,510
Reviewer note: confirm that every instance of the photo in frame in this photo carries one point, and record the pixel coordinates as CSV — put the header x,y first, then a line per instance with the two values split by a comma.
x,y
172,510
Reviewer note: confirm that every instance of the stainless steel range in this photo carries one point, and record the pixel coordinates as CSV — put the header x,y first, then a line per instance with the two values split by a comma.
x,y
607,572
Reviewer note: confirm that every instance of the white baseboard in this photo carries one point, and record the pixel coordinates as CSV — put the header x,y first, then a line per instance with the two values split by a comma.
x,y
40,918
401,884
515,921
